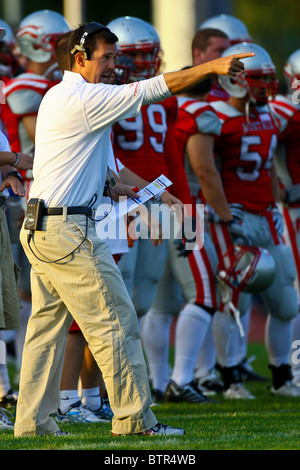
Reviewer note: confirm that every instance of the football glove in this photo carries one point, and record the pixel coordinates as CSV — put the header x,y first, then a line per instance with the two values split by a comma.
x,y
292,194
237,233
186,243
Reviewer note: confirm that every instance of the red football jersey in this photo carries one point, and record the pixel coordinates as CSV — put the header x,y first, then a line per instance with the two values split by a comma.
x,y
245,153
147,145
141,142
288,156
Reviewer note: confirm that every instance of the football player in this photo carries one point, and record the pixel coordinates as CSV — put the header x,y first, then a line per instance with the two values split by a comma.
x,y
287,161
194,274
245,155
215,35
36,37
206,45
144,145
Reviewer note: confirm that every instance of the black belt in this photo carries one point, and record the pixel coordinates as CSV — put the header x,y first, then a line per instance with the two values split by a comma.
x,y
70,210
2,201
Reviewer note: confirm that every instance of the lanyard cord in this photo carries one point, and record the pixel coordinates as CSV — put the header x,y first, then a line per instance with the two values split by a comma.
x,y
59,259
111,204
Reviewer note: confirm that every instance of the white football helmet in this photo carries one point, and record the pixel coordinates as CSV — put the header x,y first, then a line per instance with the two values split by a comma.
x,y
38,33
259,72
292,68
9,65
8,38
247,268
137,35
234,28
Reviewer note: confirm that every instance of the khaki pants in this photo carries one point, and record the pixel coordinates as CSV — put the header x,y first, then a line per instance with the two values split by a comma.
x,y
89,285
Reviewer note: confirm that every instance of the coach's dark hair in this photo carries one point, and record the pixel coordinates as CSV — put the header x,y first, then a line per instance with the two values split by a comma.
x,y
203,36
61,51
91,40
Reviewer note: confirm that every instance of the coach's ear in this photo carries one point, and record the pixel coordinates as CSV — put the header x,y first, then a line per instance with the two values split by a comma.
x,y
80,59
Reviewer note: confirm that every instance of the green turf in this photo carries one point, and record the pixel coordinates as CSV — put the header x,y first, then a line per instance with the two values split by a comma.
x,y
266,423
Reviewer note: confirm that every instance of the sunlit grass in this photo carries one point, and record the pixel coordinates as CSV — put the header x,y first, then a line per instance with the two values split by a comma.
x,y
266,423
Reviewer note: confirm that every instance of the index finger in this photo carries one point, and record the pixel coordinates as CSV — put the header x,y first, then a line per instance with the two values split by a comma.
x,y
243,55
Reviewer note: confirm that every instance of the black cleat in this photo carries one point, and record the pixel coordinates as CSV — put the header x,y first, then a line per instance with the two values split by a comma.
x,y
157,396
248,373
188,393
9,400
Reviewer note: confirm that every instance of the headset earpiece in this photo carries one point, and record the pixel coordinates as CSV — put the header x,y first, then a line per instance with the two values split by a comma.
x,y
84,50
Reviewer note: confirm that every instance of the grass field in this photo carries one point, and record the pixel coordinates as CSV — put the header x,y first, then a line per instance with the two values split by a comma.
x,y
266,423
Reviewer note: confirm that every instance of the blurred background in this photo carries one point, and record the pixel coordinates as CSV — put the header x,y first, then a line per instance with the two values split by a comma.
x,y
271,23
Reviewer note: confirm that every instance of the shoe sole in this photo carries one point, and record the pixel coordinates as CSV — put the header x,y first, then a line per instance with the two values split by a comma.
x,y
70,420
7,428
150,434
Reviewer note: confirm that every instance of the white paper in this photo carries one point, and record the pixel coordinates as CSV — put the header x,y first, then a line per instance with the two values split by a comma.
x,y
144,194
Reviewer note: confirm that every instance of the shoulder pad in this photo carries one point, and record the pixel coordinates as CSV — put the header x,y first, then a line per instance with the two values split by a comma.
x,y
27,81
225,110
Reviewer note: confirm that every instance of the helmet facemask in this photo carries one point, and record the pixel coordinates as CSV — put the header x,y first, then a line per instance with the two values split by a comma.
x,y
248,80
142,69
8,63
247,268
266,82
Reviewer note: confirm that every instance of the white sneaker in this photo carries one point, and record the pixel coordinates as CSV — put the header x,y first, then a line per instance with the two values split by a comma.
x,y
237,392
78,413
158,430
164,430
60,433
288,389
5,422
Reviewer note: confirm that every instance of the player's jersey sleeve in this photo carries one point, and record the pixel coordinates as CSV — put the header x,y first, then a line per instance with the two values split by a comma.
x,y
25,92
24,102
283,110
287,153
204,116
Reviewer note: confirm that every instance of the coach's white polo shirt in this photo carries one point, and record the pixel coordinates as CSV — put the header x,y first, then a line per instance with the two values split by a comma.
x,y
73,135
